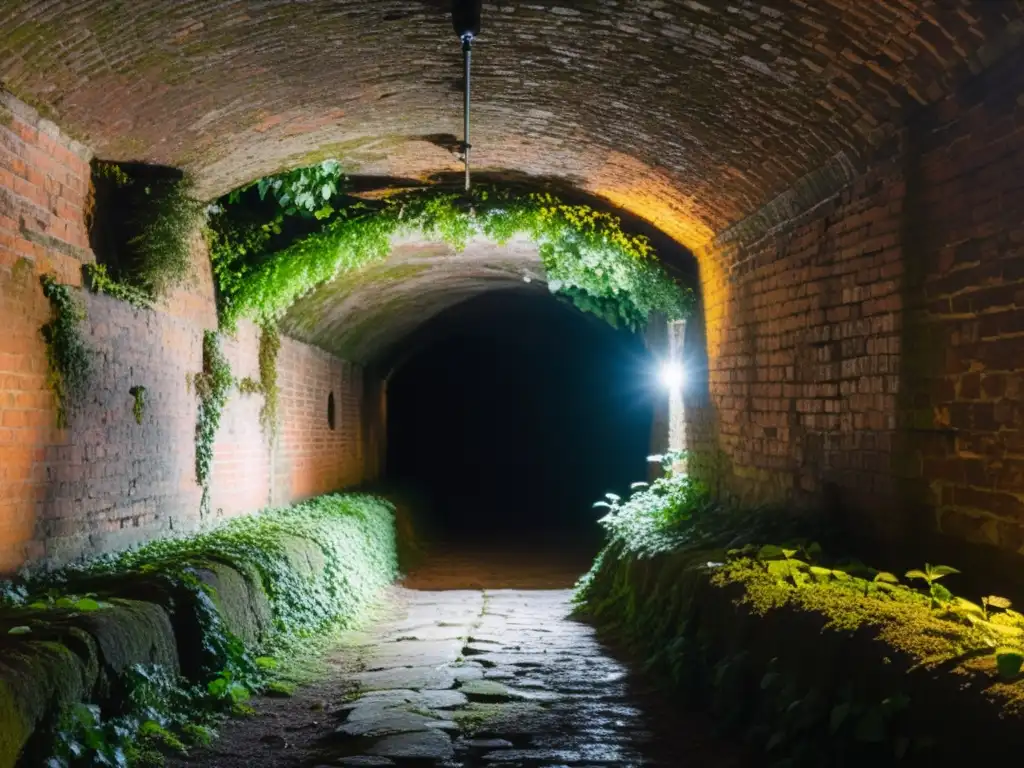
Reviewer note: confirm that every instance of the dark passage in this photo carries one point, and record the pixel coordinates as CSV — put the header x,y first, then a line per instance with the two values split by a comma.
x,y
513,414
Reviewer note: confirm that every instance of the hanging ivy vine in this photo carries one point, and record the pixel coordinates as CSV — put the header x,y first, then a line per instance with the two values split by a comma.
x,y
265,256
98,280
266,385
212,385
68,361
270,346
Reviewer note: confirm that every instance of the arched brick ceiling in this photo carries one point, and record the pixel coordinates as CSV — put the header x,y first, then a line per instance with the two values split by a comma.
x,y
362,316
691,113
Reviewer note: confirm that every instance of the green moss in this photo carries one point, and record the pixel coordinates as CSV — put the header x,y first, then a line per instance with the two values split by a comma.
x,y
39,681
130,632
586,255
241,600
776,660
68,358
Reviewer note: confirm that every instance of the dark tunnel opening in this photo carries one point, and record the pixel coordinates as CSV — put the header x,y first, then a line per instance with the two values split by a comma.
x,y
513,414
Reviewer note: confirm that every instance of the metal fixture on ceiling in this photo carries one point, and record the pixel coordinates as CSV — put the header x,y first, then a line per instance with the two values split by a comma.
x,y
466,20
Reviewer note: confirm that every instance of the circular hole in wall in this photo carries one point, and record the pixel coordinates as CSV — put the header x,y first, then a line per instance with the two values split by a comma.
x,y
330,410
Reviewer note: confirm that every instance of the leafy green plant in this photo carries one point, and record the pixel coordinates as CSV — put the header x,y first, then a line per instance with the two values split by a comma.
x,y
353,534
305,191
212,385
167,227
99,281
931,575
55,599
68,358
668,505
783,563
994,601
270,346
142,220
138,394
261,269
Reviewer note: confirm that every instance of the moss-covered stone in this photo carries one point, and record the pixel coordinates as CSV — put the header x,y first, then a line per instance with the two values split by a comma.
x,y
127,633
39,681
241,600
819,674
304,556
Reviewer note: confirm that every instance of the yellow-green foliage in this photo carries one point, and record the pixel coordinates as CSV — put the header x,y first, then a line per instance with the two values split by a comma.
x,y
262,267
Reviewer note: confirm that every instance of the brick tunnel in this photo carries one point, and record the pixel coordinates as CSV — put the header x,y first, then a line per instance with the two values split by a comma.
x,y
836,182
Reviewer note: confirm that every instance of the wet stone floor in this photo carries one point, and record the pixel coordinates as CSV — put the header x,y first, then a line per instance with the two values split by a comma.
x,y
471,677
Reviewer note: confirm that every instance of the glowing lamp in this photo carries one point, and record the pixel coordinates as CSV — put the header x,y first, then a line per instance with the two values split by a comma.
x,y
671,375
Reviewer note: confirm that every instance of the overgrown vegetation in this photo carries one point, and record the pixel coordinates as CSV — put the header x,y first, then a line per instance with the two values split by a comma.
x,y
142,222
270,346
99,281
308,568
277,240
138,394
816,659
68,359
213,386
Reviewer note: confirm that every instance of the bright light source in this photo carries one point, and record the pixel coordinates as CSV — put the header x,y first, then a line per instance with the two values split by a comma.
x,y
671,375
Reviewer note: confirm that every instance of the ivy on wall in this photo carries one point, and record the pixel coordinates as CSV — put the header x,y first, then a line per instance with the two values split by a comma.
x,y
266,385
68,361
212,386
98,280
265,256
270,346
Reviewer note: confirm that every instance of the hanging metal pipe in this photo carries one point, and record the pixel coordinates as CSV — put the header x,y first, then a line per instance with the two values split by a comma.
x,y
467,60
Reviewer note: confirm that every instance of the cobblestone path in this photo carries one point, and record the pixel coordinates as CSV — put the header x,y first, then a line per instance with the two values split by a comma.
x,y
472,677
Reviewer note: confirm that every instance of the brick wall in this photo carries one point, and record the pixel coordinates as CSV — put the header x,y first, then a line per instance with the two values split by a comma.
x,y
108,482
869,352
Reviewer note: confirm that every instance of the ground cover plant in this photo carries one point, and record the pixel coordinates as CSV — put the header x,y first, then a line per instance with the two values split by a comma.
x,y
238,597
814,658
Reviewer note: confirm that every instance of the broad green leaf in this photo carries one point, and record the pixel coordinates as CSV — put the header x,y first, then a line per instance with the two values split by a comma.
x,y
886,577
22,630
996,602
266,662
769,552
967,607
789,554
938,571
940,593
821,574
87,604
238,692
917,575
1009,662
